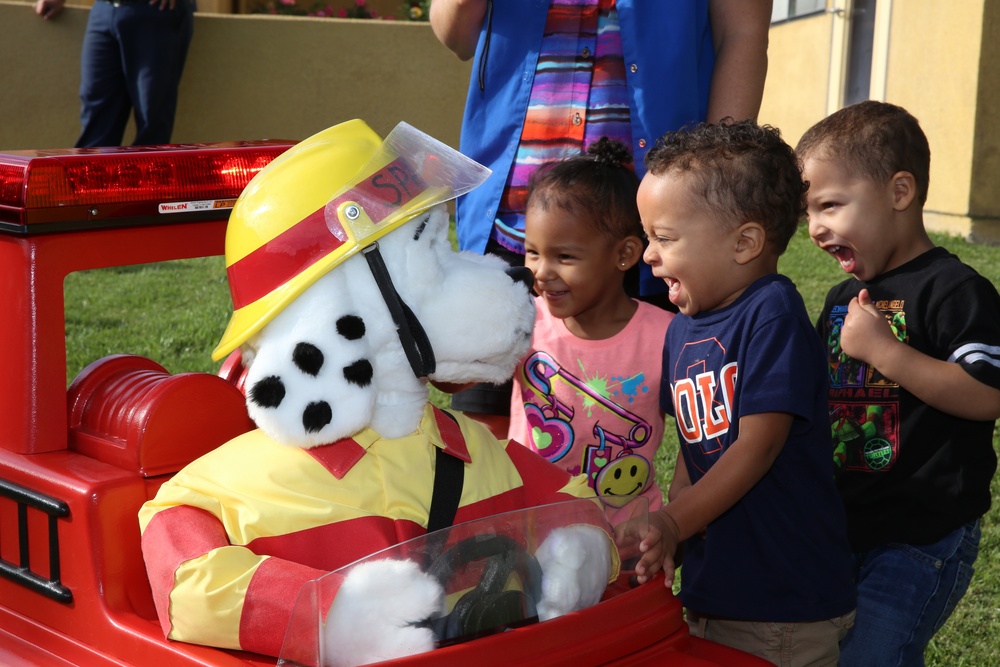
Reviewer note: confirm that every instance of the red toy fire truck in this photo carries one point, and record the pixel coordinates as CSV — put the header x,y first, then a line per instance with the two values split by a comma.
x,y
76,463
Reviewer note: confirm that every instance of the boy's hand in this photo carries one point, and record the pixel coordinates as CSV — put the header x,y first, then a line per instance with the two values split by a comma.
x,y
866,332
658,544
944,385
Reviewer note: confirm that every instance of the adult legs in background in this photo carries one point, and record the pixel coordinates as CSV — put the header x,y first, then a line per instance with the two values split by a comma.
x,y
103,94
133,57
154,45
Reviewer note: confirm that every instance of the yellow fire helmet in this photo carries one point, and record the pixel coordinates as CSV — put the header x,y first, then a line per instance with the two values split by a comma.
x,y
321,202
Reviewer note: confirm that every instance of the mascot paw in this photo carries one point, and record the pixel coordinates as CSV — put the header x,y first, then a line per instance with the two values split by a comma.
x,y
380,612
576,565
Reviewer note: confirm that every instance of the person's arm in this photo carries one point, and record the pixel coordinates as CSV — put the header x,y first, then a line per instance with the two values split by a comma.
x,y
762,437
48,9
740,32
681,481
457,23
943,385
646,532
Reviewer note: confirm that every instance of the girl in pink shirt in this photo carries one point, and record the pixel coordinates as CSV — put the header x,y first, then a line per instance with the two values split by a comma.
x,y
586,396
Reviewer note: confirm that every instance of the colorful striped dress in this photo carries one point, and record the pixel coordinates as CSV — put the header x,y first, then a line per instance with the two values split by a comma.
x,y
579,95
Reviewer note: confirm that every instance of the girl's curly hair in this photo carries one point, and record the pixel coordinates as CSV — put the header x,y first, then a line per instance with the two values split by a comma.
x,y
598,187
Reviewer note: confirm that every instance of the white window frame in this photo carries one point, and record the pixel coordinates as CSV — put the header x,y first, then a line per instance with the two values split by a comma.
x,y
783,10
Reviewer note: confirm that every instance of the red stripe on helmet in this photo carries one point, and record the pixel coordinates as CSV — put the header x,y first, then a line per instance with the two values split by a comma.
x,y
306,242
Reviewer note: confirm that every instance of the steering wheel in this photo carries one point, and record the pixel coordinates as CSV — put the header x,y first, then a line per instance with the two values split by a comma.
x,y
487,608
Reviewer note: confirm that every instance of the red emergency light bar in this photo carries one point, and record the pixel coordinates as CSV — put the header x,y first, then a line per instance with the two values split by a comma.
x,y
95,186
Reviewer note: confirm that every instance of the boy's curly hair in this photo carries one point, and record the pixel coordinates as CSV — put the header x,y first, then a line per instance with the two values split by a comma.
x,y
744,172
872,140
599,187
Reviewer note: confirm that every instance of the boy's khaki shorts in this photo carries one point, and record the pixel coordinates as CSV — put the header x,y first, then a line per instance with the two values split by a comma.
x,y
784,644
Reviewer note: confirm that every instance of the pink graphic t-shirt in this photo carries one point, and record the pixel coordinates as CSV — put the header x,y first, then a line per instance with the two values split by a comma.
x,y
593,406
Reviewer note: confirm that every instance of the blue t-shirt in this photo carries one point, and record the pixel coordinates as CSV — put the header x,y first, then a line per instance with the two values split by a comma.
x,y
781,553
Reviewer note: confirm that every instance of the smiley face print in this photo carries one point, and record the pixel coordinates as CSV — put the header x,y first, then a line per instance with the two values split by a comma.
x,y
623,479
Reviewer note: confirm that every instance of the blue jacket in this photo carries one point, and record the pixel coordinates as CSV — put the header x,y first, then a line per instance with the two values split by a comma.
x,y
668,53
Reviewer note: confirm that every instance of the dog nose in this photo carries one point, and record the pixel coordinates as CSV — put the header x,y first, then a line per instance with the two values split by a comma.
x,y
521,274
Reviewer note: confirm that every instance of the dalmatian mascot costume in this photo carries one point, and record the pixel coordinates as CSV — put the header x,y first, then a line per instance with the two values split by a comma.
x,y
347,299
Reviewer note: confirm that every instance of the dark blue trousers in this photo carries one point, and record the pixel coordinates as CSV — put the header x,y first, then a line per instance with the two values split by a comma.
x,y
133,57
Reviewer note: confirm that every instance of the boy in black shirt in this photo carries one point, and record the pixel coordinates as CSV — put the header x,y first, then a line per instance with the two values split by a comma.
x,y
914,360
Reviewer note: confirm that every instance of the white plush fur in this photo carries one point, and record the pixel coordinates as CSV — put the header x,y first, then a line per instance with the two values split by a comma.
x,y
576,564
373,615
477,318
379,606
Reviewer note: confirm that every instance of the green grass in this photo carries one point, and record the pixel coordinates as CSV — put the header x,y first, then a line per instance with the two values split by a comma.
x,y
171,312
175,313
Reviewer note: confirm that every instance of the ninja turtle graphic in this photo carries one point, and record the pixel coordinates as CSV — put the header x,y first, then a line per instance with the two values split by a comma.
x,y
864,437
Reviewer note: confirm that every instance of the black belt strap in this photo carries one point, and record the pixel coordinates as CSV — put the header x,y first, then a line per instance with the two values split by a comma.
x,y
449,478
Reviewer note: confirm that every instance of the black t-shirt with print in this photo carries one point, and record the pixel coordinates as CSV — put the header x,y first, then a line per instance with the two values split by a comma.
x,y
907,472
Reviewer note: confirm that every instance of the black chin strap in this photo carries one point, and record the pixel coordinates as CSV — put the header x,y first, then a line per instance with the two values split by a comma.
x,y
412,336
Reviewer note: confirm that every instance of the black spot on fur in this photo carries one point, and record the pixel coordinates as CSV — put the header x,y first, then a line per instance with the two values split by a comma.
x,y
316,416
351,327
359,373
420,228
308,358
269,392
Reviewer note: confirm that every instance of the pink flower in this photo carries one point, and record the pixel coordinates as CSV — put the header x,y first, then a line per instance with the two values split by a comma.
x,y
359,3
342,13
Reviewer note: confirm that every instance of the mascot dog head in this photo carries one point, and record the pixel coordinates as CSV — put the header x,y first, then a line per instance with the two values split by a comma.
x,y
347,295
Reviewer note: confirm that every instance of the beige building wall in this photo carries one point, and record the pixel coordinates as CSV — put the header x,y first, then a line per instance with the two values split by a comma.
x,y
939,77
939,60
256,76
246,77
797,75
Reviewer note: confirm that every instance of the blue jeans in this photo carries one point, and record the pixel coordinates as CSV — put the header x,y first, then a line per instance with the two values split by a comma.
x,y
905,594
132,59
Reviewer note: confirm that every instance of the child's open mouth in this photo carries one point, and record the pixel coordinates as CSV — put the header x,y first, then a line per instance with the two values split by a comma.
x,y
673,287
845,256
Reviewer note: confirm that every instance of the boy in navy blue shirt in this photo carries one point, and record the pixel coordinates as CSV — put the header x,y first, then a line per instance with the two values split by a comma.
x,y
766,561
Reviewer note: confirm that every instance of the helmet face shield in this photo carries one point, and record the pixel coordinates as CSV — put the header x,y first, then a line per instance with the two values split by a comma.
x,y
323,201
409,173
